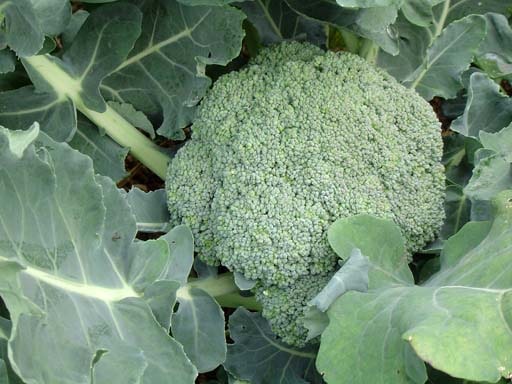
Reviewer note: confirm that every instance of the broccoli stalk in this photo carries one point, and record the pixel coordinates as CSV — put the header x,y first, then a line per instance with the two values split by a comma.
x,y
223,288
115,125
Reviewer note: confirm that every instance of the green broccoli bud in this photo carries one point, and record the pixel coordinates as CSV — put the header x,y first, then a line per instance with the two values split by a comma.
x,y
294,141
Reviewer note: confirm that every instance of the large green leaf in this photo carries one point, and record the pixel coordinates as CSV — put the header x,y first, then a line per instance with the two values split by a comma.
x,y
422,22
370,23
89,59
448,56
72,81
108,157
493,169
7,376
452,10
7,61
457,207
495,53
73,278
275,21
459,321
150,210
52,15
198,325
260,358
26,22
20,29
165,72
487,109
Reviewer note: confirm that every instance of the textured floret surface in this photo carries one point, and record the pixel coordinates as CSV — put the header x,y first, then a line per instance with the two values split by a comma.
x,y
294,141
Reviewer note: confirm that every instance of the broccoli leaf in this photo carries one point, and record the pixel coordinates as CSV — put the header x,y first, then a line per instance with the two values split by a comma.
x,y
7,61
495,53
260,358
448,56
371,23
73,278
53,15
168,61
20,29
150,210
457,207
417,32
87,61
108,157
276,21
7,376
464,310
487,110
493,170
198,325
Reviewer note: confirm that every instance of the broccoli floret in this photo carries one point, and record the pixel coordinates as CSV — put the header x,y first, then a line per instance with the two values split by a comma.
x,y
294,141
285,308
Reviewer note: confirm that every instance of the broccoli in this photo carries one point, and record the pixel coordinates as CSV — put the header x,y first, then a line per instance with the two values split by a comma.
x,y
281,149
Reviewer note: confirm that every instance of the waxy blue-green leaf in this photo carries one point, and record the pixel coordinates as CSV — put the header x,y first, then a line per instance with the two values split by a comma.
x,y
448,56
7,61
382,240
353,276
260,358
21,107
326,11
26,22
419,12
150,210
52,15
87,61
463,311
134,117
73,278
165,72
275,21
457,207
181,246
7,375
369,3
487,109
493,168
451,10
370,23
412,45
108,157
20,28
72,81
69,33
421,22
495,53
198,325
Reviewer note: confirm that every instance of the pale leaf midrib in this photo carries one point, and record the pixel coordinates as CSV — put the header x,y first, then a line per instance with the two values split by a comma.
x,y
92,291
156,48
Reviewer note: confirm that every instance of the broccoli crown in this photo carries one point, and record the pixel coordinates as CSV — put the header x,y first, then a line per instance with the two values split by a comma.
x,y
294,141
285,307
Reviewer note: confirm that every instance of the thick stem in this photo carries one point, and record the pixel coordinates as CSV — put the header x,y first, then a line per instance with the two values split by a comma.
x,y
224,290
369,50
351,40
126,135
115,125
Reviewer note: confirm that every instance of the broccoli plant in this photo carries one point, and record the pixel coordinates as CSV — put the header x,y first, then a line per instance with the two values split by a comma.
x,y
258,191
287,145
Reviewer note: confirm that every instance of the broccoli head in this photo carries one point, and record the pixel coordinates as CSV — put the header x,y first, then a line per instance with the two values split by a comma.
x,y
283,148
